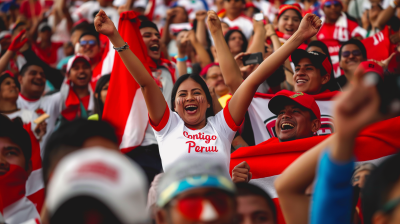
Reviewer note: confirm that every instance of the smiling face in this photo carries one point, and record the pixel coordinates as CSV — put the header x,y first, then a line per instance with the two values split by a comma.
x,y
10,153
307,78
32,82
253,209
90,48
214,79
333,12
289,22
235,43
191,102
9,90
80,73
151,39
294,122
349,64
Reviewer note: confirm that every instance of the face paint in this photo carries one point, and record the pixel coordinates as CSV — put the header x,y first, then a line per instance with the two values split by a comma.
x,y
200,99
180,100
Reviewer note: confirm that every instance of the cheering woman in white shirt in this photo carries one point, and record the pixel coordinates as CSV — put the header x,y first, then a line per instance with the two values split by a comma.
x,y
190,128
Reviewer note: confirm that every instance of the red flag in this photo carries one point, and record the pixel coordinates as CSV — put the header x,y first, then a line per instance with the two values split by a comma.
x,y
270,158
378,45
125,107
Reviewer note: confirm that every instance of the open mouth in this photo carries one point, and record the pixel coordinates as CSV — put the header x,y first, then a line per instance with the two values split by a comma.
x,y
289,30
154,47
287,126
38,83
301,81
191,109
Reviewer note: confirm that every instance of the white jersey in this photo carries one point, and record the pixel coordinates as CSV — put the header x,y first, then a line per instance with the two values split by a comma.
x,y
244,23
48,104
20,211
176,141
266,8
88,11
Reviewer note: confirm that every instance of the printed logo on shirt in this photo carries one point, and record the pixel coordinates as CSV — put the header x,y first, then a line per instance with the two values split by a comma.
x,y
200,136
39,111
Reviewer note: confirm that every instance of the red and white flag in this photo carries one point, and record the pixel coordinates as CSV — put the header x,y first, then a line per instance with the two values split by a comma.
x,y
378,45
263,120
125,108
270,158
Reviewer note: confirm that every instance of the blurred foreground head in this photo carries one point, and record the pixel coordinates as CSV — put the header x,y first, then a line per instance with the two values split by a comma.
x,y
196,192
97,186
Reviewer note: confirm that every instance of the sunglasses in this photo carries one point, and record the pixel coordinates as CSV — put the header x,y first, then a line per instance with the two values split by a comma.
x,y
334,3
346,54
88,42
193,207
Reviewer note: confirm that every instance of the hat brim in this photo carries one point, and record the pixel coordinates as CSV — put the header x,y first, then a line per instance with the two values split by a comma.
x,y
277,103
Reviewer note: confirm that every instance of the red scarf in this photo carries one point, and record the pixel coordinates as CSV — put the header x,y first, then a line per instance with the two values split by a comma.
x,y
12,187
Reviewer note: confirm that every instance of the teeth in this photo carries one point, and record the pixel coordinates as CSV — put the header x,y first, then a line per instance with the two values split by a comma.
x,y
301,80
190,106
284,124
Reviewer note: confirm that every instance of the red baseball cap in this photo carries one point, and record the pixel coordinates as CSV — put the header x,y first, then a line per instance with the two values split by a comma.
x,y
295,7
370,66
316,58
285,97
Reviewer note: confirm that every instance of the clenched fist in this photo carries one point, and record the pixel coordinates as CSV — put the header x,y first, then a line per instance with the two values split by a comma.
x,y
213,22
309,26
103,24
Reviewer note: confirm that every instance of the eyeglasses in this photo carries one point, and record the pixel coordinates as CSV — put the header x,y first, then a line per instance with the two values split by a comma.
x,y
192,207
88,42
389,206
346,54
334,3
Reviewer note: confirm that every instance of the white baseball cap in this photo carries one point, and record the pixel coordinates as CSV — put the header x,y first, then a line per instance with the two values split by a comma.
x,y
102,174
72,60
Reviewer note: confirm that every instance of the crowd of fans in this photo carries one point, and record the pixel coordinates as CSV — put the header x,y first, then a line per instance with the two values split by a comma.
x,y
206,111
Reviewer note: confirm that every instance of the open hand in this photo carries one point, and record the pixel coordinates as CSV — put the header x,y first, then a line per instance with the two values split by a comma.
x,y
309,26
18,42
103,24
241,173
213,22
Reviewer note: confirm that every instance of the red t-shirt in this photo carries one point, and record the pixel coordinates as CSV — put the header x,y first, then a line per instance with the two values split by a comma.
x,y
336,32
48,55
26,10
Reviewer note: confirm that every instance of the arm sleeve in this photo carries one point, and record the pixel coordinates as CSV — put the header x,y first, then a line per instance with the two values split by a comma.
x,y
169,119
332,198
53,75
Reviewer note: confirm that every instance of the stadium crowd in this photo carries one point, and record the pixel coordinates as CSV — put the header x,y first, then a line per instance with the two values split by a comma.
x,y
199,111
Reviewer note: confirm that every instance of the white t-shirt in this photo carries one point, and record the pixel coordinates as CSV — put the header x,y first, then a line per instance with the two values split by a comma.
x,y
243,22
87,10
267,9
176,141
50,105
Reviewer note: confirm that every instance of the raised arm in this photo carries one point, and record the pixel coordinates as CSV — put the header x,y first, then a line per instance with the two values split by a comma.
x,y
201,31
230,71
240,101
258,43
15,45
155,101
386,14
202,55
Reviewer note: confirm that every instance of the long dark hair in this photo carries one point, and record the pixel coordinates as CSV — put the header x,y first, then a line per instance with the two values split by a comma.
x,y
332,85
199,80
98,104
230,32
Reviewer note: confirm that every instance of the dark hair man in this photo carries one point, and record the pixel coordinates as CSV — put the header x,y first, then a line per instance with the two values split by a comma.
x,y
351,54
255,206
15,167
234,16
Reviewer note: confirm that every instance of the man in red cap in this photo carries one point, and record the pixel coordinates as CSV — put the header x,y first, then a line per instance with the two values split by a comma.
x,y
336,25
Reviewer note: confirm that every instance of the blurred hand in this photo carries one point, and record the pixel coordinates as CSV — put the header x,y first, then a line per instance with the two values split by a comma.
x,y
269,30
356,107
241,173
201,15
103,24
41,129
309,26
258,26
246,70
182,43
18,42
171,13
385,63
395,38
213,22
192,37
